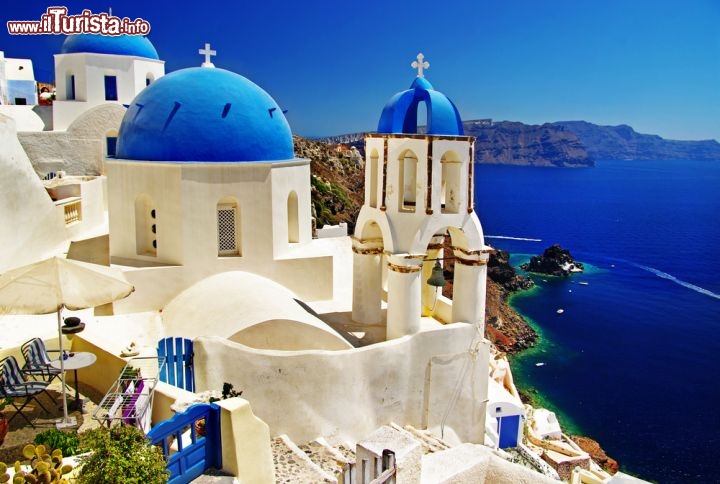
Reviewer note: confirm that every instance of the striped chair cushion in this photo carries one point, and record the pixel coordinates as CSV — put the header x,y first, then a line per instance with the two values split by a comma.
x,y
13,383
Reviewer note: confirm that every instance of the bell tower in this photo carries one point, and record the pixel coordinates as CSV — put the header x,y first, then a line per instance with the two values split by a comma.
x,y
418,189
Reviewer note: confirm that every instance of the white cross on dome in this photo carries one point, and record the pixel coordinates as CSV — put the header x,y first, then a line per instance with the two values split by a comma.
x,y
420,65
207,52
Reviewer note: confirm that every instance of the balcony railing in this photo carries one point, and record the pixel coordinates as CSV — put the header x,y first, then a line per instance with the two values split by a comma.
x,y
72,208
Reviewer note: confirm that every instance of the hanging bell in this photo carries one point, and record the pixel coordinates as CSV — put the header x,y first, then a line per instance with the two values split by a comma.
x,y
436,278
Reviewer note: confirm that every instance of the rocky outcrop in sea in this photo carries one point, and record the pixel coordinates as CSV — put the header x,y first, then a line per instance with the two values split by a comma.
x,y
555,261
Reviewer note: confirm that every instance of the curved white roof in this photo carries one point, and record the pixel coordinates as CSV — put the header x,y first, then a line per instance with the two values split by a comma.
x,y
248,309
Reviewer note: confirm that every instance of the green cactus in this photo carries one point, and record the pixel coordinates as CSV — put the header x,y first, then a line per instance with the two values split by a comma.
x,y
46,468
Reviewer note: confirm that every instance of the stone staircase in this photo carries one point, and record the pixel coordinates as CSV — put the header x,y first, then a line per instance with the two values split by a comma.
x,y
312,462
419,457
318,461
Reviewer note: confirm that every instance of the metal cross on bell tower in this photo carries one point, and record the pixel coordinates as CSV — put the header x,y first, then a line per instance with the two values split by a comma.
x,y
419,64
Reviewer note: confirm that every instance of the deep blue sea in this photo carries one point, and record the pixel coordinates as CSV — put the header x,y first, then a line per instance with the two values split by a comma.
x,y
634,359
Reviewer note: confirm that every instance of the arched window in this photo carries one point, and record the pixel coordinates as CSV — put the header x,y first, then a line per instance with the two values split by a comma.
x,y
452,196
145,226
228,223
408,181
374,170
292,217
421,117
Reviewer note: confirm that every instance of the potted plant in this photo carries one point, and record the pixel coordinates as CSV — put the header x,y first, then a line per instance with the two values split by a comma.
x,y
42,464
120,454
4,423
228,391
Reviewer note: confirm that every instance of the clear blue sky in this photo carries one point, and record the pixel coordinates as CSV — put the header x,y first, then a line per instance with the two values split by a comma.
x,y
652,64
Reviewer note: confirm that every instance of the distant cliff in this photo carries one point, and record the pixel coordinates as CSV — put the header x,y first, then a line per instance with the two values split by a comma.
x,y
514,143
336,183
510,143
624,143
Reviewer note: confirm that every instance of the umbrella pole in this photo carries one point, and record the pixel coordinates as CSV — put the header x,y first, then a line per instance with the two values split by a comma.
x,y
65,422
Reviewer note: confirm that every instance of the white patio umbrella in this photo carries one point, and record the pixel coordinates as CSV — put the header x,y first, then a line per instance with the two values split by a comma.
x,y
53,284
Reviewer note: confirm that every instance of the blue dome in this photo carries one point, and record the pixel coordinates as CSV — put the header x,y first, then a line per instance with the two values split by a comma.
x,y
136,45
400,113
204,114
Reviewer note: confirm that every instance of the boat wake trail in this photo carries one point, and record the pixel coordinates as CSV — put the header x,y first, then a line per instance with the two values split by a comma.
x,y
507,237
674,279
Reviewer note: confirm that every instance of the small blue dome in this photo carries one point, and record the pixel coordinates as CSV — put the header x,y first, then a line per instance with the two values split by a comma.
x,y
136,45
204,114
400,113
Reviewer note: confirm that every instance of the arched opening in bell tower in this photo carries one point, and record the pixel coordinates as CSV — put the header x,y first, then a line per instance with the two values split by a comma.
x,y
408,170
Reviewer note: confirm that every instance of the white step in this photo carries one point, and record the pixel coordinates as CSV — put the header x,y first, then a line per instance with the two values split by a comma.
x,y
327,458
434,443
460,464
292,465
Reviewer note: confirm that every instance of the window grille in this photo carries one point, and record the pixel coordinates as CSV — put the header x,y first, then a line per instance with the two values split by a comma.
x,y
227,241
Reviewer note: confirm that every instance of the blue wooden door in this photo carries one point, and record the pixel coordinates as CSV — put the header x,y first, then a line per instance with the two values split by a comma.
x,y
508,428
194,453
178,367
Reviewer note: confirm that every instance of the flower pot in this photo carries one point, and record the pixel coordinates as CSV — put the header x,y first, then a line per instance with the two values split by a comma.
x,y
200,427
4,425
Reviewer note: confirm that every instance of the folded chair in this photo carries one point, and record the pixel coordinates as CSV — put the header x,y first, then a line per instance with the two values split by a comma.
x,y
14,386
37,361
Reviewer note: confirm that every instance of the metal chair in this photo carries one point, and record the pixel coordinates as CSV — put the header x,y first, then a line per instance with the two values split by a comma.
x,y
37,361
13,385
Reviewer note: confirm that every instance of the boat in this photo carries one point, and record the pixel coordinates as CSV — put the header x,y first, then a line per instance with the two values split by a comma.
x,y
560,311
540,364
583,283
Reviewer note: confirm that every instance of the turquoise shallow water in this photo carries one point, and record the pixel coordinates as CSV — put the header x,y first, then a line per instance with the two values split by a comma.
x,y
632,361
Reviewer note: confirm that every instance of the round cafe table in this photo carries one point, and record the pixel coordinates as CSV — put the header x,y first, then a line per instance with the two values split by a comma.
x,y
75,361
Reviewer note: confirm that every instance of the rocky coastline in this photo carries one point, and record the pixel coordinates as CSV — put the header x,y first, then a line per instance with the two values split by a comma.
x,y
504,326
509,331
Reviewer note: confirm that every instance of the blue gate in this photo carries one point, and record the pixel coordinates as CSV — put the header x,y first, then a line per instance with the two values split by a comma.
x,y
178,367
194,453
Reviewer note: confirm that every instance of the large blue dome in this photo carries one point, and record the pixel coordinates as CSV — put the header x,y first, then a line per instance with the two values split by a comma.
x,y
136,45
204,114
400,113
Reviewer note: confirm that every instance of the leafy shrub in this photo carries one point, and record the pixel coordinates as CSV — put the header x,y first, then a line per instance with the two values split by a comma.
x,y
67,442
120,454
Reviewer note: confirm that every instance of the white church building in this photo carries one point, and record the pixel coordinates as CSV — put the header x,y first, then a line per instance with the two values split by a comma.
x,y
207,210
